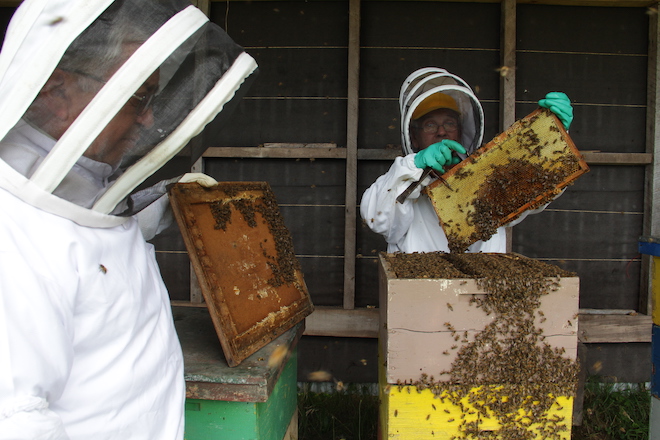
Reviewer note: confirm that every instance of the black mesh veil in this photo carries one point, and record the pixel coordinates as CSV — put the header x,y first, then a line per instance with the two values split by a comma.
x,y
127,95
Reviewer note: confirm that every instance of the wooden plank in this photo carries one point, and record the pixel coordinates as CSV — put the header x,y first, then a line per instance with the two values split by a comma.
x,y
332,321
592,157
299,145
384,154
276,153
597,325
351,153
508,78
599,158
614,328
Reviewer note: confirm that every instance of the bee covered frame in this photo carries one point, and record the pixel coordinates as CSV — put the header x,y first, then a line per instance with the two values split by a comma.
x,y
243,257
523,168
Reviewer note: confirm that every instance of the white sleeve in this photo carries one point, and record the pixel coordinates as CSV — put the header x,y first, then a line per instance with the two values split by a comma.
x,y
155,218
35,352
379,208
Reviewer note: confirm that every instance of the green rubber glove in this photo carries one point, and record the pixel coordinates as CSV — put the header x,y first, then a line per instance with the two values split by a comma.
x,y
438,155
560,105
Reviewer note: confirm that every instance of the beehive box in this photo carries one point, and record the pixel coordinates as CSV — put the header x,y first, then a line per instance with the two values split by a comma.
x,y
429,325
520,169
242,254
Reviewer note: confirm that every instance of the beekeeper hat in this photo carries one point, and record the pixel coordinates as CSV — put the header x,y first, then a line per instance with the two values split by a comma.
x,y
435,102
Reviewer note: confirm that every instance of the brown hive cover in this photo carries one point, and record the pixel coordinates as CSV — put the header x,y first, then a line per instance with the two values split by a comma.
x,y
242,254
523,168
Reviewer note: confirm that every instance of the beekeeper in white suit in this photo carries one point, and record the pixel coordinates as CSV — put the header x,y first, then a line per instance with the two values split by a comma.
x,y
96,97
442,123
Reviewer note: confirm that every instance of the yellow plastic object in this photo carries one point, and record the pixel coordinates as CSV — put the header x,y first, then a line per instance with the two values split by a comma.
x,y
406,413
523,168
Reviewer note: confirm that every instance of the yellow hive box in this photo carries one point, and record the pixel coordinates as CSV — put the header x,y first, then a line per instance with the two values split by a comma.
x,y
523,168
406,413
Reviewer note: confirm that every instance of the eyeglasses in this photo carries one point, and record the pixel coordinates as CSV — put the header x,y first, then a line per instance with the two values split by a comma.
x,y
143,103
432,127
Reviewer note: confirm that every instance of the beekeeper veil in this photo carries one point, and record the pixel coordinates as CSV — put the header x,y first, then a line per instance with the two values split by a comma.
x,y
419,95
97,96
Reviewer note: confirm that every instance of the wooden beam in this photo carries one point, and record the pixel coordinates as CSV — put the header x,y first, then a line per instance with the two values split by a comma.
x,y
333,321
508,64
276,153
350,225
323,152
594,326
605,326
598,158
508,77
614,328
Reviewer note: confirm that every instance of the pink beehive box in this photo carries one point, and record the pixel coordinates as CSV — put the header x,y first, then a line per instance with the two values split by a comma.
x,y
415,338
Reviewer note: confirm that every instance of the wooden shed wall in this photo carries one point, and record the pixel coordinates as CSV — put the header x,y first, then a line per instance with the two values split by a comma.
x,y
321,61
597,55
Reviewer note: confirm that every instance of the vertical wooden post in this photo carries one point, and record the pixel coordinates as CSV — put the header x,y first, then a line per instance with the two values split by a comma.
x,y
508,66
508,76
651,225
651,206
351,153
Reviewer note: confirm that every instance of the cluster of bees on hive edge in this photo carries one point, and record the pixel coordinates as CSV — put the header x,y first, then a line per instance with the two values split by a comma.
x,y
506,372
283,264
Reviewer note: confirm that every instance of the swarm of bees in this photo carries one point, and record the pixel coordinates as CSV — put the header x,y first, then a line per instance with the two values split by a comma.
x,y
507,371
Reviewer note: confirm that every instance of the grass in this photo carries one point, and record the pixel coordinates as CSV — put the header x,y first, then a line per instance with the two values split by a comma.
x,y
350,414
609,413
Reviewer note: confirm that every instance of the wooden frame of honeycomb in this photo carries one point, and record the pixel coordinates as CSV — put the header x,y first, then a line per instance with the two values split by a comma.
x,y
523,168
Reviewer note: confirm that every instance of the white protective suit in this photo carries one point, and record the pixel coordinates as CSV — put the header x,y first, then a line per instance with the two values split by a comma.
x,y
413,226
96,97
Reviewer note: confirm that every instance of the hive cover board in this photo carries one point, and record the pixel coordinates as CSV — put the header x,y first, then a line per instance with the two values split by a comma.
x,y
242,254
523,168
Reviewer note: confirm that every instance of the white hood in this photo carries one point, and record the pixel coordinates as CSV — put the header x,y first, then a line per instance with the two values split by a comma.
x,y
72,70
427,81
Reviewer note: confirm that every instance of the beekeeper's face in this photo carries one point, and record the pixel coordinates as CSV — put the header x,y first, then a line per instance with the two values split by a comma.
x,y
123,131
67,93
435,126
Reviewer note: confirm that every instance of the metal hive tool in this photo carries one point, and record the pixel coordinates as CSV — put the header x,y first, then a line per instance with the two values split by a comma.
x,y
523,168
